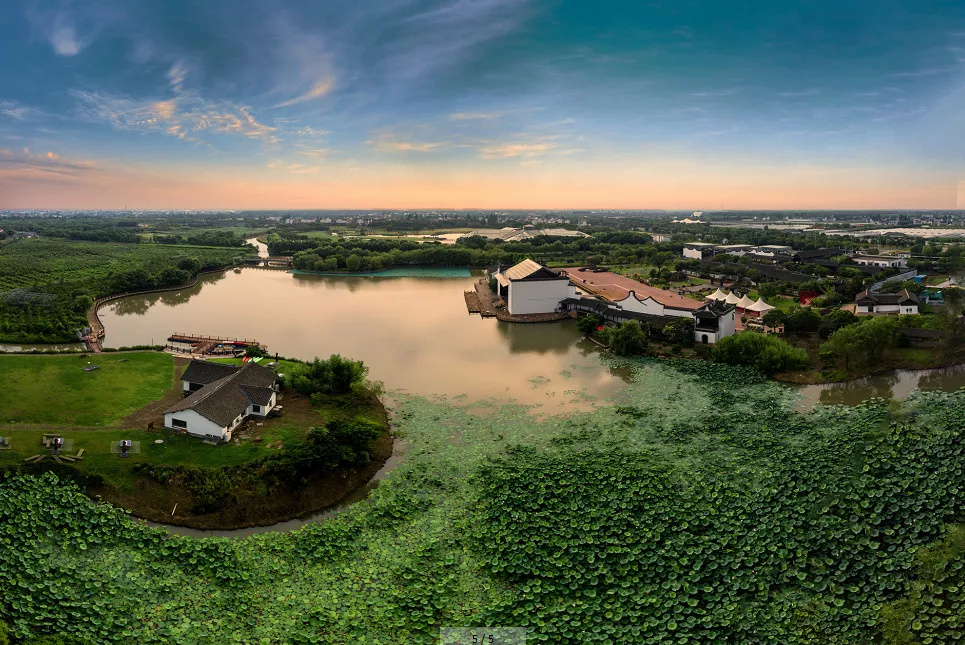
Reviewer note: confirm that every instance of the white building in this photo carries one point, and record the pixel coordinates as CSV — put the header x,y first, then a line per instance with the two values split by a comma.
x,y
699,250
883,261
713,322
531,288
870,302
219,397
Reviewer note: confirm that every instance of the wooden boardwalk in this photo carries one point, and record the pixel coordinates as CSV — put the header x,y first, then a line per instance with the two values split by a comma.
x,y
210,344
472,302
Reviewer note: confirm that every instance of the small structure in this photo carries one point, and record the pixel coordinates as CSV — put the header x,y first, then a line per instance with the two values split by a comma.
x,y
744,303
883,261
714,321
732,298
699,250
218,407
531,288
757,309
717,296
871,302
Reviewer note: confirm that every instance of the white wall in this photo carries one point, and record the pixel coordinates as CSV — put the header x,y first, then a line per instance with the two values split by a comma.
x,y
197,425
909,309
650,306
696,254
537,297
265,409
728,325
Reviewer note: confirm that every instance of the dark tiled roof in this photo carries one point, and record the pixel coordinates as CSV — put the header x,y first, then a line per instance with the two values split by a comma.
x,y
204,372
818,253
258,395
782,275
227,398
899,298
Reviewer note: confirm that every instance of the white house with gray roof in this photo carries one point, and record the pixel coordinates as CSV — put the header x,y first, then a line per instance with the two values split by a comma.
x,y
219,397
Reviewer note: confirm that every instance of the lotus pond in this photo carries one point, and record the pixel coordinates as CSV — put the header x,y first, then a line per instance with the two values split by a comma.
x,y
697,506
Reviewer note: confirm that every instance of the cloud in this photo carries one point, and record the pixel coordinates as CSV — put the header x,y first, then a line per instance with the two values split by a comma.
x,y
928,72
389,143
184,117
15,111
177,75
809,92
318,90
516,149
24,164
467,116
710,94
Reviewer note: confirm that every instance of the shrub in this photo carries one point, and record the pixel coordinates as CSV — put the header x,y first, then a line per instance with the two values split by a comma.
x,y
862,343
679,332
769,354
628,339
589,323
336,375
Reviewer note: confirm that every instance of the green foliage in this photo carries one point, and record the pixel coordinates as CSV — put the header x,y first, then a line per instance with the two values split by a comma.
x,y
628,339
664,517
4,634
802,320
774,318
335,375
679,331
589,323
46,285
922,321
861,344
353,262
767,353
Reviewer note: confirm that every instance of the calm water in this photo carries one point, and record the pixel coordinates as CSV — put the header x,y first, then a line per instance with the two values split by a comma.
x,y
892,385
413,333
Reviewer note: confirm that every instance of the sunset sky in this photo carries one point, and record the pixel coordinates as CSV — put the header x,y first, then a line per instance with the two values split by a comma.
x,y
482,103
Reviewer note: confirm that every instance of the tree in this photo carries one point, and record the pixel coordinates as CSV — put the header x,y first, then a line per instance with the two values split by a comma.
x,y
353,262
769,290
628,339
774,318
588,324
679,331
861,344
803,320
769,354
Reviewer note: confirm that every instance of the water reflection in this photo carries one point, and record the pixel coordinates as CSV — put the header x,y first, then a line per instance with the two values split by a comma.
x,y
893,385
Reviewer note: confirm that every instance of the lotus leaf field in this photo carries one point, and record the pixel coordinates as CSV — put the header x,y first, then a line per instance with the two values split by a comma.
x,y
697,507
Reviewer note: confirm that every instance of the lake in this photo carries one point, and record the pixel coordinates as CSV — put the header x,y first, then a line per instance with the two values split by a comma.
x,y
413,333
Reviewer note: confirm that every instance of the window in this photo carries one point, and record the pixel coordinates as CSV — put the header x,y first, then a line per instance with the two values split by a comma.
x,y
178,423
256,409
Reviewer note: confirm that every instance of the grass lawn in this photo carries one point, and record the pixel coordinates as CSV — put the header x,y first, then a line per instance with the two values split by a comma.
x,y
932,280
55,390
782,303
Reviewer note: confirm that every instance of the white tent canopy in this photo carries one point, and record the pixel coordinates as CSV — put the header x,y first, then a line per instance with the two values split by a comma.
x,y
717,295
732,298
760,306
745,302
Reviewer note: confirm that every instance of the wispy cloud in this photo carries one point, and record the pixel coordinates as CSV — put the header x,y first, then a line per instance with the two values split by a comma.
x,y
60,30
929,72
470,116
715,93
516,149
24,163
16,111
389,143
182,117
318,90
800,93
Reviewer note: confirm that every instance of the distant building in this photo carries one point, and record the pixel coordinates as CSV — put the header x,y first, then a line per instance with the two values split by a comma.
x,y
219,397
699,250
902,302
531,288
883,261
714,321
528,232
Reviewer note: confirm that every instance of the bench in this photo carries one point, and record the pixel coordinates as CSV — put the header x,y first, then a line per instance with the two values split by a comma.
x,y
80,453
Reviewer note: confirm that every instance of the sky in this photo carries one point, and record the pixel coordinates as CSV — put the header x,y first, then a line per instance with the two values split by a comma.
x,y
684,104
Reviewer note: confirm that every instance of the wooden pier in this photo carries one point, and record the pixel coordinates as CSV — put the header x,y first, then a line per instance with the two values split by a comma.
x,y
472,302
212,344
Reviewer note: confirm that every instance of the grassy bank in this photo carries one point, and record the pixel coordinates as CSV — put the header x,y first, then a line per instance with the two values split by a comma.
x,y
55,390
52,394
